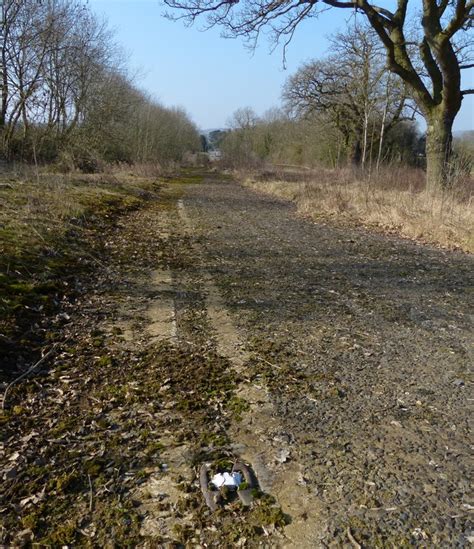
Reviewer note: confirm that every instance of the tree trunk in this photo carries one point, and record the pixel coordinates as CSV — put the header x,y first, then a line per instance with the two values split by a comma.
x,y
438,149
355,152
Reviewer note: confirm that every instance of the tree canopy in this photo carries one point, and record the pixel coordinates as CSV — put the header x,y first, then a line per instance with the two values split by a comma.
x,y
66,92
352,88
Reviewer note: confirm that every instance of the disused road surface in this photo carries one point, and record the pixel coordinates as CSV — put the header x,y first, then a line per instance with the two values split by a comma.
x,y
217,325
362,345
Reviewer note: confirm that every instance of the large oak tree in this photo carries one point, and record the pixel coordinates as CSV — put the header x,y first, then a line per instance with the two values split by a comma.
x,y
435,84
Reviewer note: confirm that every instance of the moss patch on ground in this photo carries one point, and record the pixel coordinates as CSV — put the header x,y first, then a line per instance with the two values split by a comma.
x,y
50,235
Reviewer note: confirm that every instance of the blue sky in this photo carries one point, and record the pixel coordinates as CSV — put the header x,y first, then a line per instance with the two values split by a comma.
x,y
211,77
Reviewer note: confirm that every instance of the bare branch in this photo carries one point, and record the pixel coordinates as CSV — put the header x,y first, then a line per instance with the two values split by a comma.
x,y
462,14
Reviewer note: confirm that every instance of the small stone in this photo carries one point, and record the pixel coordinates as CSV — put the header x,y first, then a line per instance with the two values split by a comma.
x,y
301,480
429,489
11,473
283,455
419,534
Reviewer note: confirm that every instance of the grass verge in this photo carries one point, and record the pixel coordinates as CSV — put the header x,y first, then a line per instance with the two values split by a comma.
x,y
49,228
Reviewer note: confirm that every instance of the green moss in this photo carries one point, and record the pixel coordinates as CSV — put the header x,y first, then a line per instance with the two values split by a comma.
x,y
22,287
4,417
154,448
37,470
105,361
183,533
63,426
185,179
222,464
117,521
31,520
213,439
237,406
62,534
102,423
116,392
144,434
98,341
18,410
93,467
66,482
266,512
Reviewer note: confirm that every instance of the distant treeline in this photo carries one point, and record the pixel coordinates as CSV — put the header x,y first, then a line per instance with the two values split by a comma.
x,y
68,96
314,141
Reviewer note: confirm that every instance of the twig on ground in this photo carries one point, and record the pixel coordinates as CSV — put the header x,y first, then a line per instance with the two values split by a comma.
x,y
95,260
30,370
90,493
269,363
352,539
39,234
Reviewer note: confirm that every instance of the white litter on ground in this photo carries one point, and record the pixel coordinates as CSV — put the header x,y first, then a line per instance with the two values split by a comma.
x,y
231,480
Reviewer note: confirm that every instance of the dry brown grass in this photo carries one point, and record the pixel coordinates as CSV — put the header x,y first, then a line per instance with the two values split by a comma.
x,y
395,200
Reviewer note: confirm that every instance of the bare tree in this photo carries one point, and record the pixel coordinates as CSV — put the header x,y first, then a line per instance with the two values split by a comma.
x,y
436,89
66,91
353,88
25,28
243,119
81,49
121,123
239,145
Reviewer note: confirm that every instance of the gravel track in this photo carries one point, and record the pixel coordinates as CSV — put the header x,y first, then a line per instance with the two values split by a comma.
x,y
365,343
